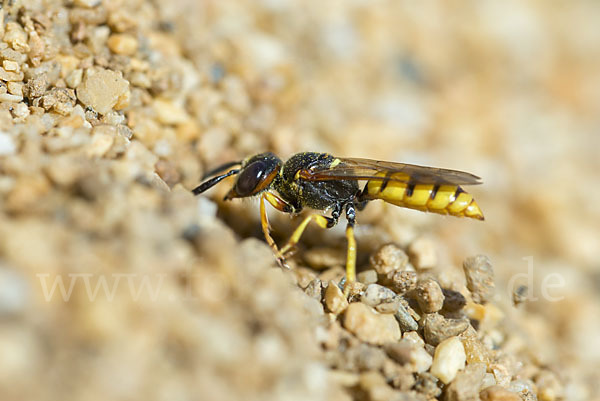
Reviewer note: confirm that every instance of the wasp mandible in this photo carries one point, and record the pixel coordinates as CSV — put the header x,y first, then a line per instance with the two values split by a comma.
x,y
320,181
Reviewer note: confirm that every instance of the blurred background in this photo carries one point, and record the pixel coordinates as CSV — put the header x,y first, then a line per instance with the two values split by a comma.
x,y
509,91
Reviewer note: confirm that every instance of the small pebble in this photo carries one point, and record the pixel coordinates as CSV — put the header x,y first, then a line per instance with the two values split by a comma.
x,y
476,350
170,113
336,273
403,281
399,377
324,257
497,393
36,86
304,276
429,296
410,355
15,88
122,43
103,90
16,37
354,289
376,294
448,359
480,278
427,385
520,295
314,289
501,373
375,386
370,326
7,97
406,321
388,258
422,253
101,143
10,65
436,328
74,78
366,357
466,384
414,337
20,110
9,76
335,300
453,300
367,277
389,306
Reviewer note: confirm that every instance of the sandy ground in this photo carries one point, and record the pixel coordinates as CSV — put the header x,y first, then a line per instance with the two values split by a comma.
x,y
117,283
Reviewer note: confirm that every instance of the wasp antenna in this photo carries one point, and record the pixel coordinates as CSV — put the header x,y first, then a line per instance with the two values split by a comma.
x,y
217,170
213,181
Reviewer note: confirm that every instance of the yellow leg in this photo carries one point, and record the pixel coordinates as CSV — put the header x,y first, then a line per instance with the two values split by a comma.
x,y
350,258
322,221
279,204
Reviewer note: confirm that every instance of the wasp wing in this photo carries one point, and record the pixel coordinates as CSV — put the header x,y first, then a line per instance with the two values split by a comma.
x,y
367,169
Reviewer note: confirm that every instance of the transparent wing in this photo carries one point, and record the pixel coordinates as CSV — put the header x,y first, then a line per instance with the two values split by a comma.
x,y
367,169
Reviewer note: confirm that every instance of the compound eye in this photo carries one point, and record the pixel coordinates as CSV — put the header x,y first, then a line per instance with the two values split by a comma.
x,y
250,178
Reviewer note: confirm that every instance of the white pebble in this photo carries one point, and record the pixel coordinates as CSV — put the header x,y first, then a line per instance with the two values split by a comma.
x,y
376,294
420,360
448,359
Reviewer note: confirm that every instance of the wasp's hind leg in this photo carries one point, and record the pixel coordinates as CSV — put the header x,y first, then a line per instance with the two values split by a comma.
x,y
322,221
280,205
351,250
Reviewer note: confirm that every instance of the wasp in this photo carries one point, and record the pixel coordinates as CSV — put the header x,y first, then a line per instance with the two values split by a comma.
x,y
326,183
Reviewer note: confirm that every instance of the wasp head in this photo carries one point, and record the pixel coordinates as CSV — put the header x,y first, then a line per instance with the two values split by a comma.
x,y
255,175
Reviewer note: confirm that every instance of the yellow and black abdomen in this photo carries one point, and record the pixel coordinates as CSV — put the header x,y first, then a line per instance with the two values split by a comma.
x,y
442,199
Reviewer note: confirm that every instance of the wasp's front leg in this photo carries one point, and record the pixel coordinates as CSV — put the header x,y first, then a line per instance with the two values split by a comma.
x,y
280,205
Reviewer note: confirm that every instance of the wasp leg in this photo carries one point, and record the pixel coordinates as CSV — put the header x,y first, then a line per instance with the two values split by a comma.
x,y
322,221
280,205
351,251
